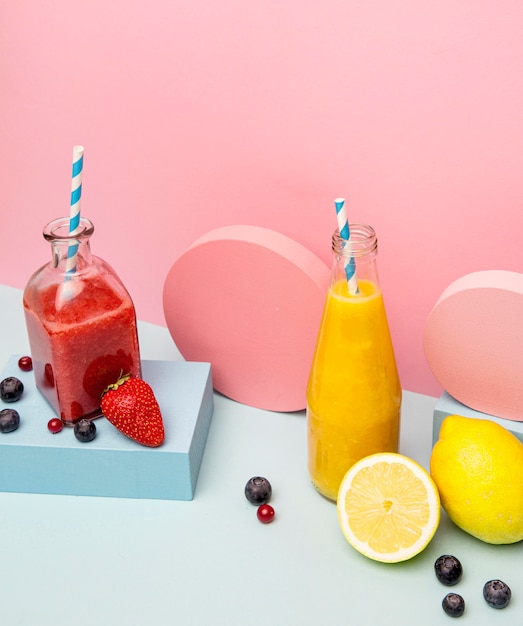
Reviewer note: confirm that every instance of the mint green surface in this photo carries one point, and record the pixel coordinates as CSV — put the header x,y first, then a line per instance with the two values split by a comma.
x,y
209,562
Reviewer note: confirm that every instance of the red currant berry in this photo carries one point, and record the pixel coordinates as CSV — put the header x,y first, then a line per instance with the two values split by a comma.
x,y
25,363
265,513
55,425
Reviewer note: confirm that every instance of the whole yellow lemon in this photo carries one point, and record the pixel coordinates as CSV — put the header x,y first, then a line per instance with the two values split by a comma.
x,y
477,466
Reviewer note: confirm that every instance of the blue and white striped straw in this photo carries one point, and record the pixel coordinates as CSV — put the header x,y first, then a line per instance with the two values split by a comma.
x,y
344,228
74,214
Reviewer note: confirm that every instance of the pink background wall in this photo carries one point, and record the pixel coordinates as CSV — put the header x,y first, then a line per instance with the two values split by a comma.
x,y
197,115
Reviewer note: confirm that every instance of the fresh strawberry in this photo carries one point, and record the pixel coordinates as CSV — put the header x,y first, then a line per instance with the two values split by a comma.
x,y
130,406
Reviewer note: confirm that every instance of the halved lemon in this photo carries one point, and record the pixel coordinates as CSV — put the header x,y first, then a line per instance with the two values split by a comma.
x,y
388,507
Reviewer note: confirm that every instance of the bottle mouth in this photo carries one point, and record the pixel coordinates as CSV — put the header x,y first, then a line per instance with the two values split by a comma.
x,y
58,230
363,241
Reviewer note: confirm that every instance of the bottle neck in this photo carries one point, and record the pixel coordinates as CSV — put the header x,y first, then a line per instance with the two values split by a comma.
x,y
362,243
65,245
359,252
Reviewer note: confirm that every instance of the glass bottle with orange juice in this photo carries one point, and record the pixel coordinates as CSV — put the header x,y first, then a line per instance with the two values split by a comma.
x,y
353,393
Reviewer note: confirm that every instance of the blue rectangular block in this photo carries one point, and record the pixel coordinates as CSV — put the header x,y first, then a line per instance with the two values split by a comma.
x,y
447,405
32,460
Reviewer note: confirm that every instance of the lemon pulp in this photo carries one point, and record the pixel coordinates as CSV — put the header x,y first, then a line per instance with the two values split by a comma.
x,y
388,507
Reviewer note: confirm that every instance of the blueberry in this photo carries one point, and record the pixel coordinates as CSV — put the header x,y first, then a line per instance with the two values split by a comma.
x,y
453,605
85,430
497,594
448,570
9,420
258,490
11,389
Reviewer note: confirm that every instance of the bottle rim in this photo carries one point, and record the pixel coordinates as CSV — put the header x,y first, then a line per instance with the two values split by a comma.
x,y
363,241
58,230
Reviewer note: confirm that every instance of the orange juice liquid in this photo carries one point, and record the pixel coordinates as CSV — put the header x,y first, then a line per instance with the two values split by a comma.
x,y
354,394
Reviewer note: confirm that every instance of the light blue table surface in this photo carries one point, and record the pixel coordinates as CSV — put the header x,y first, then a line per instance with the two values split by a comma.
x,y
79,560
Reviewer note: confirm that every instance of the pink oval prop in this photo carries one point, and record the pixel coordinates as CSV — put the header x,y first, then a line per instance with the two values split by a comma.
x,y
473,342
249,301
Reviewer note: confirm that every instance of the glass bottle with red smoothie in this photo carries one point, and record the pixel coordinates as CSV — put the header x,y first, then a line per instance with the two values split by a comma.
x,y
81,324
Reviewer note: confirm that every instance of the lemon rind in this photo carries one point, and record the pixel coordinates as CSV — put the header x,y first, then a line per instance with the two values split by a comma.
x,y
433,501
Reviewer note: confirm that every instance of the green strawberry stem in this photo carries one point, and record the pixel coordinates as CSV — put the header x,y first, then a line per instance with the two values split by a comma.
x,y
122,378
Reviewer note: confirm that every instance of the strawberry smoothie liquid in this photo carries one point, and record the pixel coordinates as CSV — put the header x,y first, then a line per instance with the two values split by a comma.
x,y
82,329
353,394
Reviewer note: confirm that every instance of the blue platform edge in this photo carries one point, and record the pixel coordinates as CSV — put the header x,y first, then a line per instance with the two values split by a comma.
x,y
447,405
32,460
